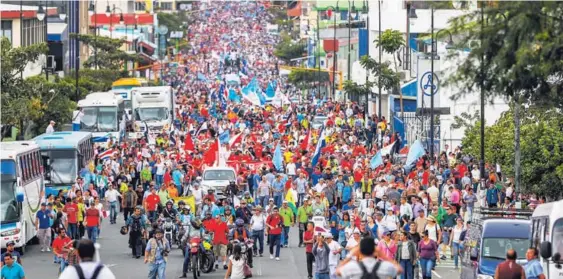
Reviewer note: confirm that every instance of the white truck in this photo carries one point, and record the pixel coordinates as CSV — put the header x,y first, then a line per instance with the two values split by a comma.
x,y
103,115
153,107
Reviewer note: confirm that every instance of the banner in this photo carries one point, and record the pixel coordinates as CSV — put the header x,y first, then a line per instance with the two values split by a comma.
x,y
250,165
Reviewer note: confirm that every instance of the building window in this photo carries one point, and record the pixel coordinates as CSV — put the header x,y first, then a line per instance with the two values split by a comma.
x,y
7,29
140,6
166,6
33,32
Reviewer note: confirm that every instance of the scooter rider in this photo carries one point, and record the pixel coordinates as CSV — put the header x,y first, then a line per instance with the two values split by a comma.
x,y
241,234
169,211
194,228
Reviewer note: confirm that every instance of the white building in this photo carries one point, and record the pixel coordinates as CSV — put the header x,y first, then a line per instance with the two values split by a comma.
x,y
394,16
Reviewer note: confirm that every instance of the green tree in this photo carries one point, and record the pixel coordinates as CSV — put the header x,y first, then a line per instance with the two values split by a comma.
x,y
306,78
542,148
518,56
287,50
391,41
109,55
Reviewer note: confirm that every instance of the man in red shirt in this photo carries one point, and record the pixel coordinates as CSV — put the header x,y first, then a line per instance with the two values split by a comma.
x,y
92,222
61,246
220,233
309,239
151,203
274,224
71,210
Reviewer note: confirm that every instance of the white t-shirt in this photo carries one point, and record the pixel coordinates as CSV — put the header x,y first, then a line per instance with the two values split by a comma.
x,y
111,195
332,258
88,269
160,170
433,192
258,222
237,268
291,168
352,269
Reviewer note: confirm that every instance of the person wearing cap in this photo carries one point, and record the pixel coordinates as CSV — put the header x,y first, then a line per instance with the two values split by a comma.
x,y
274,224
288,220
16,256
257,227
156,255
353,240
334,255
321,252
387,245
353,269
43,226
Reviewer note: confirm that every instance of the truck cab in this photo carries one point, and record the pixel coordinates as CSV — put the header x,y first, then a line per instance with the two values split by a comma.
x,y
103,116
153,108
217,179
488,239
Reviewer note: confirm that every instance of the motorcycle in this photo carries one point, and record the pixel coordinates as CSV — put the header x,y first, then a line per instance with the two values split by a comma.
x,y
168,227
245,248
201,255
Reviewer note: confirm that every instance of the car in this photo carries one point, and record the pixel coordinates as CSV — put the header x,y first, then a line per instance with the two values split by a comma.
x,y
319,121
217,179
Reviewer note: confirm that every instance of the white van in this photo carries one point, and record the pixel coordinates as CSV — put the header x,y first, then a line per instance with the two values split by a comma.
x,y
547,236
217,178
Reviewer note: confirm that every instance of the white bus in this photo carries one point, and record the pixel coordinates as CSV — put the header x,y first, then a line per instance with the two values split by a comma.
x,y
103,116
21,191
547,236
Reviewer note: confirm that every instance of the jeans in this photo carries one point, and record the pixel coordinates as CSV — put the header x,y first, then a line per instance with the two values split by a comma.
x,y
408,269
275,240
302,227
300,198
63,265
469,213
278,201
101,192
113,211
152,216
322,276
285,235
92,233
187,255
426,265
456,251
157,270
263,201
127,211
73,230
258,237
159,180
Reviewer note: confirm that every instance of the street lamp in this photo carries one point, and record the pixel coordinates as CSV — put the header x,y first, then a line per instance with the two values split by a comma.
x,y
62,13
108,10
42,15
351,13
91,9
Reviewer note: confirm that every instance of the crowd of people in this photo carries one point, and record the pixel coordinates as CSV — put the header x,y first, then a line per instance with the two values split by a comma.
x,y
353,217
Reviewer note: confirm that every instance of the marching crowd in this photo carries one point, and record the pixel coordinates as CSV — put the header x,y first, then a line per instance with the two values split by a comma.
x,y
354,217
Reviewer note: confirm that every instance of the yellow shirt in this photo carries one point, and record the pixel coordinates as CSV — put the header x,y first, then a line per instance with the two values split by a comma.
x,y
123,188
173,192
80,211
287,155
305,124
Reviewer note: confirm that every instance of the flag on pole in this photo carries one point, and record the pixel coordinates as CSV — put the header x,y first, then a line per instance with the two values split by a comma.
x,y
210,156
106,154
376,160
415,152
188,143
305,143
202,128
236,139
320,145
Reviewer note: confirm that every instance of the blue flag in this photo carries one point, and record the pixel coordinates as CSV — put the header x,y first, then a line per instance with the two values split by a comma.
x,y
376,160
224,137
415,152
201,77
321,143
277,160
271,90
233,96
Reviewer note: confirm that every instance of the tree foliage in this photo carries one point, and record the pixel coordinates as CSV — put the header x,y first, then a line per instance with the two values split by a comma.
x,y
305,78
389,78
14,61
541,147
109,55
391,41
521,46
288,49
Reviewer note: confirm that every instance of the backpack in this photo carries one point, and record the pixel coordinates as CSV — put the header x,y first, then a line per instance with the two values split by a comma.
x,y
80,272
136,225
369,275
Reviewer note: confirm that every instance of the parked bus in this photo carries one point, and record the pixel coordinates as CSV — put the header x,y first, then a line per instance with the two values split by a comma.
x,y
123,86
21,188
65,155
103,116
547,236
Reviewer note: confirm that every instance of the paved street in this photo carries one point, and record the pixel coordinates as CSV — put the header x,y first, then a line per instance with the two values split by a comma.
x,y
116,254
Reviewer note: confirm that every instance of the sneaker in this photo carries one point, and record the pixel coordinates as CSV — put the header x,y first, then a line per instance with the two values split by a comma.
x,y
286,246
271,257
42,249
48,249
216,266
261,255
277,258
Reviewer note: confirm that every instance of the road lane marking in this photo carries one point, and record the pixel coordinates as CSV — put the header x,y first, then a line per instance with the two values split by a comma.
x,y
436,273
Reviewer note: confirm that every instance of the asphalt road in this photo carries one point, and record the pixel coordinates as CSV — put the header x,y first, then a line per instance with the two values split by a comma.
x,y
116,255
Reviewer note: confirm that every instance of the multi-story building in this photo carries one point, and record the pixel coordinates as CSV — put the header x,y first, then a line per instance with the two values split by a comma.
x,y
413,63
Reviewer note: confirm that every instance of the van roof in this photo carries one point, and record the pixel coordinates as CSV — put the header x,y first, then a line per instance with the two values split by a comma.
x,y
506,228
546,209
218,168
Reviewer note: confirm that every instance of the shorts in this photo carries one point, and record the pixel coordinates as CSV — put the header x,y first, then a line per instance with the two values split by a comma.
x,y
220,250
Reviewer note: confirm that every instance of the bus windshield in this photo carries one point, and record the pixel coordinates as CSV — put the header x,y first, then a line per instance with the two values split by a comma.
x,y
557,241
496,248
152,114
62,168
99,119
9,210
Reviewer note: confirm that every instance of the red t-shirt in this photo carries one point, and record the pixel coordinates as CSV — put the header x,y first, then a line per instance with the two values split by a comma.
x,y
92,217
152,201
71,211
209,224
358,175
275,221
220,232
59,243
308,235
